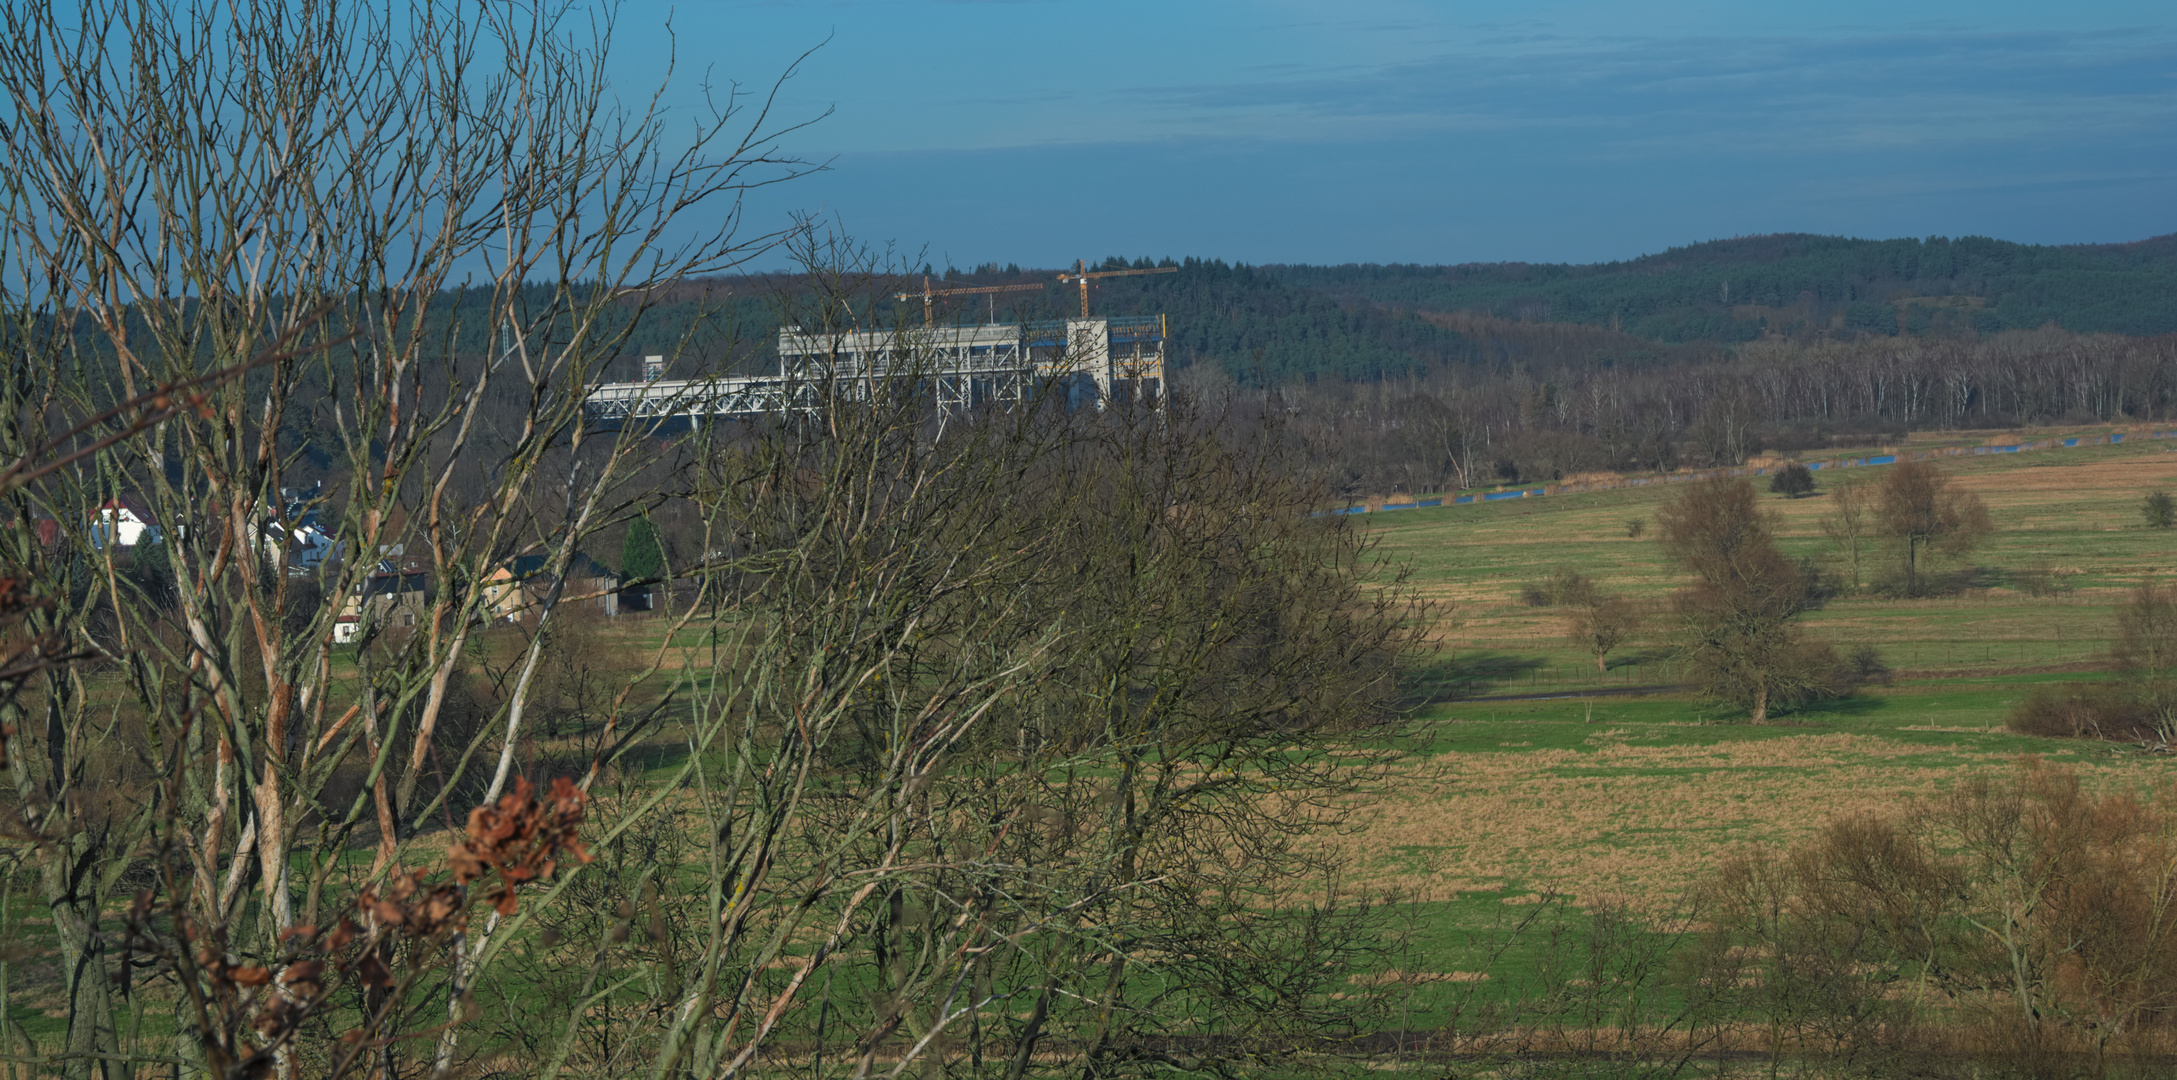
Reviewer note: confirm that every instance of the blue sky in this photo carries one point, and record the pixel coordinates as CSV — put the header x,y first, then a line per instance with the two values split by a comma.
x,y
1041,131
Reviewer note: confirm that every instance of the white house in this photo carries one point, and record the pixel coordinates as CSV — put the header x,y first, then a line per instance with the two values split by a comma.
x,y
126,521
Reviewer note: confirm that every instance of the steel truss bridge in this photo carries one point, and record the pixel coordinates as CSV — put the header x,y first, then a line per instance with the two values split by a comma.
x,y
960,366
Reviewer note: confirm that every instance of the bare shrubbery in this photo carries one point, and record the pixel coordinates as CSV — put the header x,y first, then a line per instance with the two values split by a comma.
x,y
2146,651
2140,705
1565,586
2042,579
336,1001
1866,665
1013,724
2082,711
927,640
575,682
2015,927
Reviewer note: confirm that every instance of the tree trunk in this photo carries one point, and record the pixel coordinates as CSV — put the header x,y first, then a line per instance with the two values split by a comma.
x,y
92,1034
1030,1034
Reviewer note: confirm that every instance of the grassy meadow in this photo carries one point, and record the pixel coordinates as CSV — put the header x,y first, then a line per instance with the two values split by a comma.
x,y
1545,775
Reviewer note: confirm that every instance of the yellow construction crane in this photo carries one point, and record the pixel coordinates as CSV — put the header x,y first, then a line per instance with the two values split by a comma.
x,y
1081,273
928,293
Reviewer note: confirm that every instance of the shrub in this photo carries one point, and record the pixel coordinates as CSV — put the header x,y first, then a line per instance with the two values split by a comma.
x,y
151,570
2031,918
2041,579
1565,585
1792,481
2160,510
1569,586
2082,711
1867,666
1635,526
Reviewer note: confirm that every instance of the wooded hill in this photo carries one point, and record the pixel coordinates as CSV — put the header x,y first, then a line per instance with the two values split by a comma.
x,y
1276,324
1697,297
1797,284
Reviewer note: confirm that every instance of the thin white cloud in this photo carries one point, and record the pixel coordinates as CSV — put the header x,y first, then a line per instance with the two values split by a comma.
x,y
1676,95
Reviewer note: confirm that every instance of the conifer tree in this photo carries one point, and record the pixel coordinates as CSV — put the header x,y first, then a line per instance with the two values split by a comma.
x,y
642,557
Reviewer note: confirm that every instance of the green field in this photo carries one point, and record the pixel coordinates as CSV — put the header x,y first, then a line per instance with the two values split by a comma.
x,y
1547,775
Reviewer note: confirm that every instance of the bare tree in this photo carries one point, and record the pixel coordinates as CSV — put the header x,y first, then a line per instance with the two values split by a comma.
x,y
2146,650
1601,622
1849,526
992,716
1925,515
1737,619
1007,719
406,241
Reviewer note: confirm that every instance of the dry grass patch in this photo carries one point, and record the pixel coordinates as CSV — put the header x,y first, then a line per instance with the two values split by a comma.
x,y
1399,977
1641,824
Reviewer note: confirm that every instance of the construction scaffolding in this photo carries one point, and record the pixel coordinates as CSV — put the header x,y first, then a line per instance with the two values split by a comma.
x,y
1110,359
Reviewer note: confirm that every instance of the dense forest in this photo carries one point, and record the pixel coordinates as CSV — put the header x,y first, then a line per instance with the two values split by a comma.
x,y
1276,324
1799,285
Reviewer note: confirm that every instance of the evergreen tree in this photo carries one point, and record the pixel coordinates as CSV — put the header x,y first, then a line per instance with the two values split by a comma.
x,y
642,557
1792,481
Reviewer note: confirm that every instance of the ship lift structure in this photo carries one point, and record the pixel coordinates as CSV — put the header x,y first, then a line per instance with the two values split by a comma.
x,y
1115,359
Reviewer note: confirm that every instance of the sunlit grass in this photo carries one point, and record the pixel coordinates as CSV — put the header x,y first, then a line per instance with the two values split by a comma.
x,y
1605,795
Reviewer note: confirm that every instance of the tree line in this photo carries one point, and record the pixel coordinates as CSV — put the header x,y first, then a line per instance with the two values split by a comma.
x,y
1454,429
1411,398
